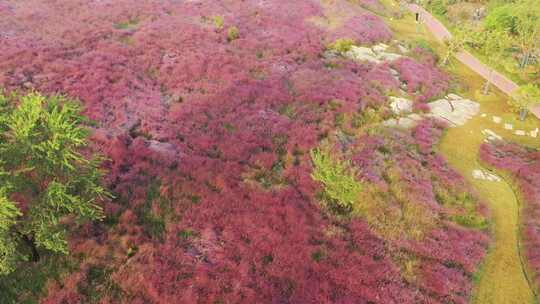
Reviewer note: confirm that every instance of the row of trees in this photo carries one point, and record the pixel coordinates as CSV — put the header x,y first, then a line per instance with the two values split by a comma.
x,y
45,181
512,26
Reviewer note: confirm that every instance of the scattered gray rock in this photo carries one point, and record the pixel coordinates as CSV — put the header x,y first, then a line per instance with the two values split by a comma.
x,y
402,49
376,54
401,122
400,105
406,122
381,47
361,53
385,56
416,117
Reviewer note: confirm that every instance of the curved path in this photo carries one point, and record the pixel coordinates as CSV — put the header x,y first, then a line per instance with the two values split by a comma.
x,y
502,278
441,33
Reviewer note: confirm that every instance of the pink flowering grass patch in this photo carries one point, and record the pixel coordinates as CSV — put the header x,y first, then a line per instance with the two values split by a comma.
x,y
424,80
208,142
364,29
398,163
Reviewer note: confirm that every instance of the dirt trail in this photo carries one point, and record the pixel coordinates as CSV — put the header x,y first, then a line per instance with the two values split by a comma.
x,y
502,279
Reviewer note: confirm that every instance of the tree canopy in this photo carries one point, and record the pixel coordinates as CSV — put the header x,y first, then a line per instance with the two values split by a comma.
x,y
45,176
526,96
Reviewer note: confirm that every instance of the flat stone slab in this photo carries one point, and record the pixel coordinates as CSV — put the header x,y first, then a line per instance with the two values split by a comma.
x,y
497,119
361,53
508,126
456,112
377,54
520,132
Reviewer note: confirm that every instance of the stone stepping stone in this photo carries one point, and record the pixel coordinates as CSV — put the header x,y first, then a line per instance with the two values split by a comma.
x,y
381,47
520,133
508,126
491,135
497,119
484,175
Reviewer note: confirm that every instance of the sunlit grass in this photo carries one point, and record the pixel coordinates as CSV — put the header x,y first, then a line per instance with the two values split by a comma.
x,y
501,279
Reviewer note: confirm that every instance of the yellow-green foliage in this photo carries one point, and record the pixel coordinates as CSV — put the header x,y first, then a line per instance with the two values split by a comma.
x,y
128,24
392,213
341,45
41,164
218,22
338,178
232,33
525,96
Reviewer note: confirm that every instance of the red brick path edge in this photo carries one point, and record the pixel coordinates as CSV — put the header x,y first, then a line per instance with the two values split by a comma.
x,y
441,33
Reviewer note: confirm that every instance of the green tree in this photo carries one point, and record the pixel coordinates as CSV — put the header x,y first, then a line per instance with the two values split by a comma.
x,y
525,97
493,48
45,179
527,14
454,45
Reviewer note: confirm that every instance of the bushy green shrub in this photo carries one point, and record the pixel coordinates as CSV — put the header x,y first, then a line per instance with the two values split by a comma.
x,y
341,188
218,22
232,33
501,19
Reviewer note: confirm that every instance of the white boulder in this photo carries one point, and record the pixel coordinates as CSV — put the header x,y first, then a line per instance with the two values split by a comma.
x,y
400,105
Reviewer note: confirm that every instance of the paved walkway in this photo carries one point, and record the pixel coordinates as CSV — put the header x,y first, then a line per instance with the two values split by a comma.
x,y
441,33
